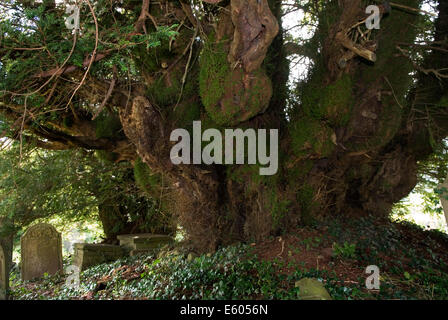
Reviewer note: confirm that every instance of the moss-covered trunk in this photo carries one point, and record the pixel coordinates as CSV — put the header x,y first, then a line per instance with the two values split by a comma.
x,y
348,144
346,149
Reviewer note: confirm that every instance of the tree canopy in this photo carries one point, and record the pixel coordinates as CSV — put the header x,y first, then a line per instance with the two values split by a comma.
x,y
86,115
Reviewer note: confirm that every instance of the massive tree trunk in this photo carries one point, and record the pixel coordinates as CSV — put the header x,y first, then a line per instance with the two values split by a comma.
x,y
215,204
349,145
347,148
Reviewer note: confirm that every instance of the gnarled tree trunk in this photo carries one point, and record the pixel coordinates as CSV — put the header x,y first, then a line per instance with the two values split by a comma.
x,y
349,144
346,149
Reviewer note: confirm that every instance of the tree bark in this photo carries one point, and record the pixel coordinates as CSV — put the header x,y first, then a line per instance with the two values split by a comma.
x,y
344,151
349,145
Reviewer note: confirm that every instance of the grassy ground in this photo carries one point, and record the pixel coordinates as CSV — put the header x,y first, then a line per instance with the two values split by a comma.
x,y
413,265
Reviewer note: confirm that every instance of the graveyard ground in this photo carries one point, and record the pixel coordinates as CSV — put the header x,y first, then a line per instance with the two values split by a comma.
x,y
413,265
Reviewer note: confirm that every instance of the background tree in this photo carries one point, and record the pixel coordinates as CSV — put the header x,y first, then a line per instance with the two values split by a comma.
x,y
352,134
77,186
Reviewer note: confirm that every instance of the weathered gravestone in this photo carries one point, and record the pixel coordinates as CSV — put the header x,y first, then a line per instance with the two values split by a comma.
x,y
41,251
88,254
143,243
5,263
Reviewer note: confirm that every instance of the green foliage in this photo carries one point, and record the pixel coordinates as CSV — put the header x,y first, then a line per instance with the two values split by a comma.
x,y
214,72
305,197
347,250
312,243
43,185
53,44
108,126
311,135
69,185
223,90
231,273
333,102
145,179
279,209
432,172
409,270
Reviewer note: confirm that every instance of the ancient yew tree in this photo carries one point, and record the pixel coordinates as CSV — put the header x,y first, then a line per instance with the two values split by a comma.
x,y
374,103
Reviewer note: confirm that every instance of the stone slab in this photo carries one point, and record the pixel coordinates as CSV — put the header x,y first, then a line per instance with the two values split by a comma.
x,y
143,241
88,254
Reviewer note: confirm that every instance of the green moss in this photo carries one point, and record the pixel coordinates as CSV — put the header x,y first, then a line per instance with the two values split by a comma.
x,y
185,113
250,177
279,208
297,174
257,94
151,60
305,197
391,72
164,92
213,80
107,126
389,122
166,86
145,179
224,92
106,156
67,122
400,26
311,135
214,71
333,103
443,102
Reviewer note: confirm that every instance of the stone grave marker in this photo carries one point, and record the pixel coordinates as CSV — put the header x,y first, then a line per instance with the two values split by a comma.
x,y
41,251
143,243
88,254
